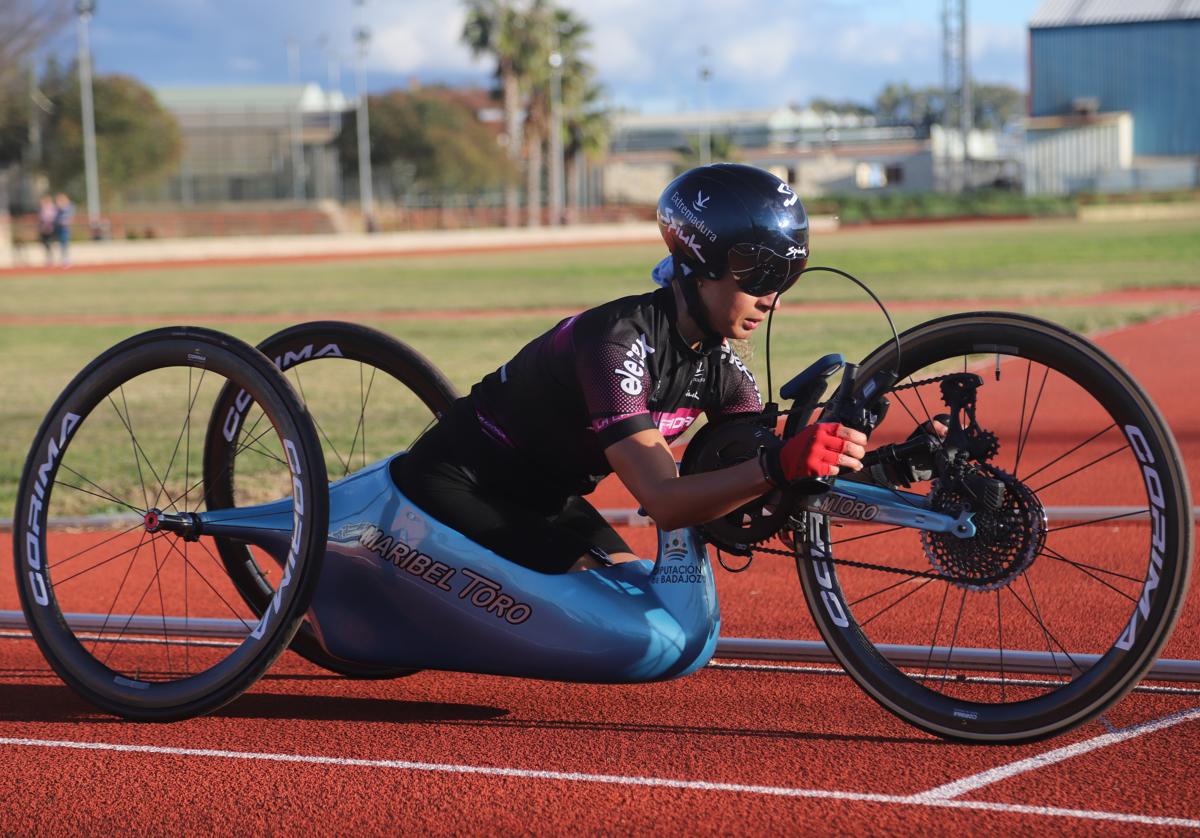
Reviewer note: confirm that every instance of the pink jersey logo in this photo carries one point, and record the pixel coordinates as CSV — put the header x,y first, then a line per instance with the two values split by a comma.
x,y
673,424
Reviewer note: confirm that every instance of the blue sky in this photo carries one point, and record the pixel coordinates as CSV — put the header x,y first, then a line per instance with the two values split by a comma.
x,y
763,53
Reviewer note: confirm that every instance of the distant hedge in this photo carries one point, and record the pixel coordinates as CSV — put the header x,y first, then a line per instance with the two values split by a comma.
x,y
896,206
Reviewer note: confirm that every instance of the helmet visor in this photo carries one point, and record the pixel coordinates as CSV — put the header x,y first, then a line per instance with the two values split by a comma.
x,y
759,270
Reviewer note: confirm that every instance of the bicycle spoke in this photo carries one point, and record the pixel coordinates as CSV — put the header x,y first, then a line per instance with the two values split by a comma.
x,y
1063,456
162,607
133,446
105,494
121,587
204,579
954,633
1051,554
1021,421
329,442
59,582
1145,511
364,398
1037,614
111,538
937,627
897,602
1078,470
1046,629
1022,440
1000,632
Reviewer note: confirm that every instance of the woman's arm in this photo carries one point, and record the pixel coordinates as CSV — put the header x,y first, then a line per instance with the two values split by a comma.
x,y
647,468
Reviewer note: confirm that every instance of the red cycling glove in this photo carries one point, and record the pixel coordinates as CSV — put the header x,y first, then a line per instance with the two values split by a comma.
x,y
810,453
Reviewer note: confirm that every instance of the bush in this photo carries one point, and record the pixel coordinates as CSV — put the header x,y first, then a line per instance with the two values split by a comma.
x,y
899,206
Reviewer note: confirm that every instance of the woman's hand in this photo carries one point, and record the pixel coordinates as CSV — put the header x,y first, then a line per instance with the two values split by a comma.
x,y
820,450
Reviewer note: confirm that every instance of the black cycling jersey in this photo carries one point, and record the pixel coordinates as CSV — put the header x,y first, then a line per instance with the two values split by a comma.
x,y
601,376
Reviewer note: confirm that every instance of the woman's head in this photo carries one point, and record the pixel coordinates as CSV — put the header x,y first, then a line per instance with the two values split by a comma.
x,y
738,238
733,220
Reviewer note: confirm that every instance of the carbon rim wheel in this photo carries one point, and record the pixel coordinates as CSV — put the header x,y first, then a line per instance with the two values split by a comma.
x,y
135,616
1088,602
369,396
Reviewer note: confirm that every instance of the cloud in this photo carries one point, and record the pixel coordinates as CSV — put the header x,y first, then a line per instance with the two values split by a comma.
x,y
425,37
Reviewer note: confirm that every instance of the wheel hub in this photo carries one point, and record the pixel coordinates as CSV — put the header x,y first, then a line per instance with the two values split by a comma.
x,y
1006,541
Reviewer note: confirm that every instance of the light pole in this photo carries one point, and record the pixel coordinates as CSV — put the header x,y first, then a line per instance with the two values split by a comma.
x,y
362,37
298,167
86,8
556,143
705,129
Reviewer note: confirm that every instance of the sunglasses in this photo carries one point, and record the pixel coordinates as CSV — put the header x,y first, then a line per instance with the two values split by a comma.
x,y
759,271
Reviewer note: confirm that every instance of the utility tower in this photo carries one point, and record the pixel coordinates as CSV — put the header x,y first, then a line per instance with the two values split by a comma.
x,y
956,91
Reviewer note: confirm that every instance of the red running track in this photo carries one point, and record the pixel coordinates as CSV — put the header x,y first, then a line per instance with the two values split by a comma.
x,y
725,750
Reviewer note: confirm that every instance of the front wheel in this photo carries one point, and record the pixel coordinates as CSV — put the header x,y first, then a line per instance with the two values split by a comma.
x,y
123,592
1067,592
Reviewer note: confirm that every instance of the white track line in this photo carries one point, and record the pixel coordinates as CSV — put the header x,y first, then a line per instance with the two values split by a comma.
x,y
616,779
1012,769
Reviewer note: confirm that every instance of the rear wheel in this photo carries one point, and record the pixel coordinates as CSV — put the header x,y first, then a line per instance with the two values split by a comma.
x,y
130,607
369,396
1064,597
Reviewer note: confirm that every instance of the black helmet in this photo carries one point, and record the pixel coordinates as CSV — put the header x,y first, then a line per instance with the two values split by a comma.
x,y
738,218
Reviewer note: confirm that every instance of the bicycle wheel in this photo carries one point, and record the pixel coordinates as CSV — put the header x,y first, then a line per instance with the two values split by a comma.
x,y
1066,593
369,396
129,605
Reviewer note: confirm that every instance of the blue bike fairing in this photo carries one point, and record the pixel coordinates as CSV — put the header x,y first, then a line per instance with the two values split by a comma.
x,y
398,588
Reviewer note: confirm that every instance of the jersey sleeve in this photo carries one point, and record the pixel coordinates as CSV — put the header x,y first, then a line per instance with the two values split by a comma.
x,y
737,391
613,369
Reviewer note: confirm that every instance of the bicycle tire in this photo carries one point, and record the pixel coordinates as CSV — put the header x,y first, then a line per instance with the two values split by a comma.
x,y
289,348
75,425
1148,621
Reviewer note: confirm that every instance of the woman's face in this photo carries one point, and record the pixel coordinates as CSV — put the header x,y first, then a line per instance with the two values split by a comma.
x,y
734,313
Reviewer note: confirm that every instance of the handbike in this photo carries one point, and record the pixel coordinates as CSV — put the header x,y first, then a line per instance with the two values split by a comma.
x,y
1023,581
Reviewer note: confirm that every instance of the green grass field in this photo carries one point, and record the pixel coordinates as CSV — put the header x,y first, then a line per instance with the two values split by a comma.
x,y
1041,263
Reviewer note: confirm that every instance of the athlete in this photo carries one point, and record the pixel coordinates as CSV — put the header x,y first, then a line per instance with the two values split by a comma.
x,y
608,389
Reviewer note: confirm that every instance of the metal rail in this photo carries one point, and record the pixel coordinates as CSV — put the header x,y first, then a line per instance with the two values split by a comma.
x,y
632,517
738,648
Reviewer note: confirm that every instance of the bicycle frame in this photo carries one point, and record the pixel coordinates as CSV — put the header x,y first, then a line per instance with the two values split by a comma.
x,y
399,588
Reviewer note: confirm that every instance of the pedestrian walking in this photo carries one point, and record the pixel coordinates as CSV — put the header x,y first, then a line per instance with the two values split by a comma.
x,y
47,220
64,215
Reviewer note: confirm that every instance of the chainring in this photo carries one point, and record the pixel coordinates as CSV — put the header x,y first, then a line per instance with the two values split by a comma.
x,y
722,444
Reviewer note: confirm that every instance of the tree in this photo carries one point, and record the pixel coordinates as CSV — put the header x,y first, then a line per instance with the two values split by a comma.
x,y
899,103
585,133
137,139
558,30
496,29
843,107
24,26
996,105
521,39
993,105
434,138
720,146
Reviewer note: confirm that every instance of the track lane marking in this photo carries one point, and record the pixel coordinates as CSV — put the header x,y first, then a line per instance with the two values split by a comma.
x,y
955,789
616,779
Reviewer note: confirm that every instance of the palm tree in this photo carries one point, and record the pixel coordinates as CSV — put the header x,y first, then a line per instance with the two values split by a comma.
x,y
494,27
558,30
586,132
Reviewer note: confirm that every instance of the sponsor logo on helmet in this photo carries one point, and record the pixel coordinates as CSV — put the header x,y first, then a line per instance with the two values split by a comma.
x,y
701,202
795,252
696,221
634,366
792,197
